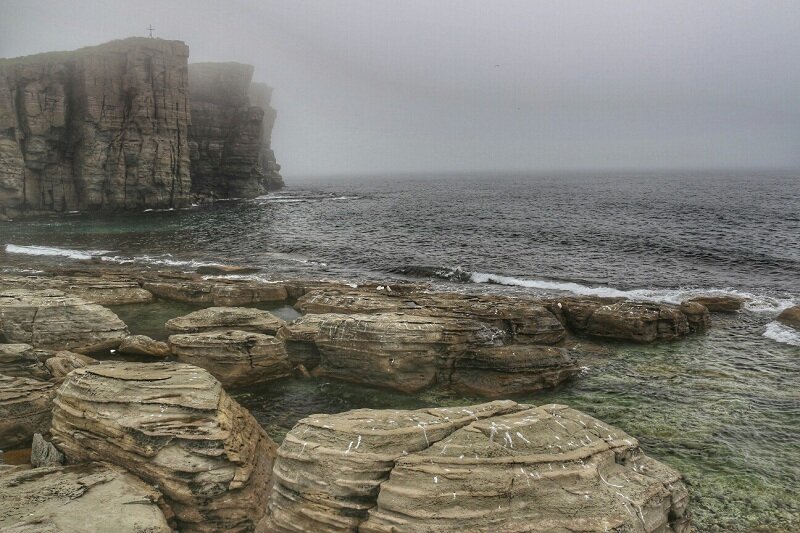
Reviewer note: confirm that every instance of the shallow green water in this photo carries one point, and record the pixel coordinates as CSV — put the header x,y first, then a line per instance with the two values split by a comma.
x,y
723,408
728,418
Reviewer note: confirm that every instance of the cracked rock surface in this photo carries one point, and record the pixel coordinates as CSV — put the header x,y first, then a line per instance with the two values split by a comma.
x,y
53,319
173,426
25,406
236,358
499,466
89,498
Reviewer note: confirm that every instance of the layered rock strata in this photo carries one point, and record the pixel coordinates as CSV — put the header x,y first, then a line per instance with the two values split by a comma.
x,y
236,358
25,409
173,426
89,498
53,319
227,293
94,290
470,469
226,318
229,136
103,127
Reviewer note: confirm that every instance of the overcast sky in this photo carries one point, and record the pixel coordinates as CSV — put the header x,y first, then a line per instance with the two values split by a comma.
x,y
413,86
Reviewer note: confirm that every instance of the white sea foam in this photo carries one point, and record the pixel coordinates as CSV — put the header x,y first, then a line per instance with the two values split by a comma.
x,y
783,334
757,303
52,251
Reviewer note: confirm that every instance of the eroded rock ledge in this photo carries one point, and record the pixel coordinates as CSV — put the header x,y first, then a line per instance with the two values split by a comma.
x,y
500,466
173,426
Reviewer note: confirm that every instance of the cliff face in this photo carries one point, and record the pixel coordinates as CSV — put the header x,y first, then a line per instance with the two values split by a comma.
x,y
103,127
229,136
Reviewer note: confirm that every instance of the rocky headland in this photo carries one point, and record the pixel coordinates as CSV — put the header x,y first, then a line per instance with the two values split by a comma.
x,y
150,420
130,124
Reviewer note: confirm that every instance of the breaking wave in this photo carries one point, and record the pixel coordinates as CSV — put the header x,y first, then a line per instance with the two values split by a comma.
x,y
52,251
783,334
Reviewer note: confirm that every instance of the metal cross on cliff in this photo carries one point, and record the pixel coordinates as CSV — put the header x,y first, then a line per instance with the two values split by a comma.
x,y
150,28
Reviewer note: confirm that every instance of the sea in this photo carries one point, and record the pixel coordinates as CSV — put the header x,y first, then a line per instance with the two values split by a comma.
x,y
723,408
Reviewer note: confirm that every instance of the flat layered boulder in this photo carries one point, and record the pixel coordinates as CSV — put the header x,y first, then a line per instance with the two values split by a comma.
x,y
697,316
640,322
218,292
352,301
144,345
236,358
97,290
395,350
226,318
615,318
790,317
173,426
330,467
25,409
501,371
300,337
51,319
87,498
22,360
523,320
718,303
500,466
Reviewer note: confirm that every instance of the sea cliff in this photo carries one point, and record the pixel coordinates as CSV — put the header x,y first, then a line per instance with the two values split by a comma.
x,y
112,127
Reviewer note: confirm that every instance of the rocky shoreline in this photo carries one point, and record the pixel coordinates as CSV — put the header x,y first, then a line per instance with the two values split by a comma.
x,y
150,419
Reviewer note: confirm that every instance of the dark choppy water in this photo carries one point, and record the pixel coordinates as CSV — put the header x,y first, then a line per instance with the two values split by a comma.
x,y
723,408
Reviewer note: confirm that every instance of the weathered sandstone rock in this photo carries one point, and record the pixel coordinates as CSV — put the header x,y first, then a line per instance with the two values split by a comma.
x,y
639,322
524,320
615,318
52,319
218,292
394,350
93,290
236,358
144,345
790,317
25,406
719,303
90,498
44,453
501,371
696,316
63,362
226,318
103,127
300,336
227,133
21,360
223,270
499,466
173,426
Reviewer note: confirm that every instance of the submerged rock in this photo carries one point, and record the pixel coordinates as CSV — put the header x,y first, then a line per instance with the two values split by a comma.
x,y
719,303
52,319
144,345
173,426
236,358
226,318
500,371
790,317
25,406
500,466
88,498
394,350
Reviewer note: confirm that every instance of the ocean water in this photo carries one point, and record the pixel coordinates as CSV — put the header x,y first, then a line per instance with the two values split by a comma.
x,y
724,408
